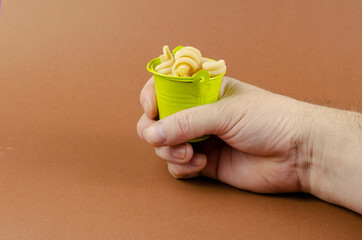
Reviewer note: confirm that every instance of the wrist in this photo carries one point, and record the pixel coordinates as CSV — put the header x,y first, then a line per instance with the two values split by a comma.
x,y
329,157
305,146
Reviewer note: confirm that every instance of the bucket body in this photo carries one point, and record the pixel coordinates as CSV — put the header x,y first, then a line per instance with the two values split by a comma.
x,y
175,94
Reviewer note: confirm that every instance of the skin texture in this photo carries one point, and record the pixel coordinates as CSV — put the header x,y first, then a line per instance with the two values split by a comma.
x,y
261,141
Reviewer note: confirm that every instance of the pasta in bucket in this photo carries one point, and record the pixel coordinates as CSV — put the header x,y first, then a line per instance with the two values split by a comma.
x,y
175,93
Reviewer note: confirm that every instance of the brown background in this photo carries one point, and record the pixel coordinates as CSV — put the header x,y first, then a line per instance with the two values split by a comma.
x,y
71,163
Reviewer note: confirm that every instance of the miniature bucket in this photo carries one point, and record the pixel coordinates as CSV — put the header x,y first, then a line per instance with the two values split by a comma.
x,y
175,94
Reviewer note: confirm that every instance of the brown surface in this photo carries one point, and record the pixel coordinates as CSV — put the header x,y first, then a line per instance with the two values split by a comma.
x,y
71,164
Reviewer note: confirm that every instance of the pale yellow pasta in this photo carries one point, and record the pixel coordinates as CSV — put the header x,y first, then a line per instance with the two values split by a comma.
x,y
167,61
204,59
214,67
187,62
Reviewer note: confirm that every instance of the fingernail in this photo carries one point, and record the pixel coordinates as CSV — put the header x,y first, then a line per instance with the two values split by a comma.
x,y
146,107
155,134
179,151
198,161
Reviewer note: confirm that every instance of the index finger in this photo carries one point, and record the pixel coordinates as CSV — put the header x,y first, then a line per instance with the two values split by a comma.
x,y
148,99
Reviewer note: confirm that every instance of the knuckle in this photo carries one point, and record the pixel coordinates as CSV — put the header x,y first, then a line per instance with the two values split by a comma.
x,y
225,118
182,122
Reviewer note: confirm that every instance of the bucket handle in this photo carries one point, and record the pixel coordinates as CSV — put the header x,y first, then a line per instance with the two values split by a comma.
x,y
201,76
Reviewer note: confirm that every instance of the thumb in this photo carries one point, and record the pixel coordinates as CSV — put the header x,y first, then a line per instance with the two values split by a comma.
x,y
187,124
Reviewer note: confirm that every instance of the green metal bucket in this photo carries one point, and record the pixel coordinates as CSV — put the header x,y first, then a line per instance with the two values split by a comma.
x,y
175,94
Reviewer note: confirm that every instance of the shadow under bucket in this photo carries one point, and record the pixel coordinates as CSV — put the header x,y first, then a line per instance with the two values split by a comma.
x,y
175,94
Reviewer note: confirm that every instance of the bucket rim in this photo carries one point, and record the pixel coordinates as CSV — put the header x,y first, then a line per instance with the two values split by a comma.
x,y
173,78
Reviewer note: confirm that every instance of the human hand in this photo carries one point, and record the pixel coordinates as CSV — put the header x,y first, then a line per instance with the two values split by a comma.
x,y
255,147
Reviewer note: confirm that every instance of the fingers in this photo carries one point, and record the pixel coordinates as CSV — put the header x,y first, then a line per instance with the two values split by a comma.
x,y
189,169
182,162
188,124
181,153
148,99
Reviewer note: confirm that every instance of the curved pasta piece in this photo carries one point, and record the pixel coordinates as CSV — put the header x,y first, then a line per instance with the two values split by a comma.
x,y
214,68
187,62
190,52
167,61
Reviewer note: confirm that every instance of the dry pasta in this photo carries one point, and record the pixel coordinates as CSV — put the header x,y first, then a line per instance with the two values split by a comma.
x,y
186,62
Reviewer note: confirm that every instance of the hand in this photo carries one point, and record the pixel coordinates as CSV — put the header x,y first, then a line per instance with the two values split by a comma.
x,y
262,142
255,142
